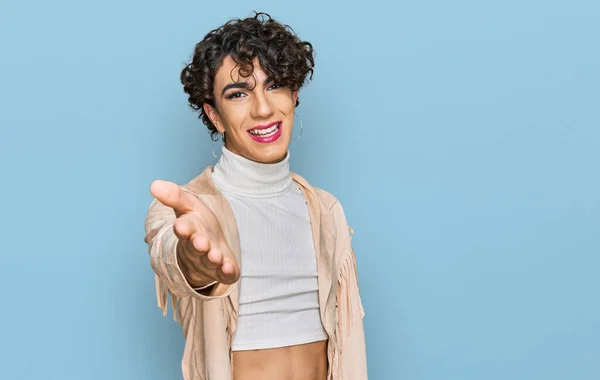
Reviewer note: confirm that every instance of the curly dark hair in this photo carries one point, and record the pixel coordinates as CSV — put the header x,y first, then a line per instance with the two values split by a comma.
x,y
281,54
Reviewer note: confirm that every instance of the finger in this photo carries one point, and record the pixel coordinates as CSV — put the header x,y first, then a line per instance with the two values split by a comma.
x,y
187,225
195,249
212,260
228,273
200,243
184,228
171,195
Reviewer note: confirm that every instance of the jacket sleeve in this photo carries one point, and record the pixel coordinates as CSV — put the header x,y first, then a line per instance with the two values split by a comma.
x,y
162,247
348,297
349,330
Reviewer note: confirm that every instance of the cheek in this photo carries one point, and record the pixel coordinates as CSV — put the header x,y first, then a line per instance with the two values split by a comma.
x,y
287,105
233,118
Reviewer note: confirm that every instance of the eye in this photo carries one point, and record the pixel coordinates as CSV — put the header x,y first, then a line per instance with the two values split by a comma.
x,y
275,86
235,95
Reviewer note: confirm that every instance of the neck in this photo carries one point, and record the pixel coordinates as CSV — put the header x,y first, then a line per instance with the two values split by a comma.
x,y
241,176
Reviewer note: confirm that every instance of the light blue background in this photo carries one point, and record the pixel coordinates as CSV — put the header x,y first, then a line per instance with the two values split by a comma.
x,y
462,138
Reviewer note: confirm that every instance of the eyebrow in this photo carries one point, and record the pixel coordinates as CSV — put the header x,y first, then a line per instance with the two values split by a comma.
x,y
242,85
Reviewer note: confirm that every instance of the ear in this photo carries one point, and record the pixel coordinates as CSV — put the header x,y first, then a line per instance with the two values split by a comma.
x,y
213,115
295,97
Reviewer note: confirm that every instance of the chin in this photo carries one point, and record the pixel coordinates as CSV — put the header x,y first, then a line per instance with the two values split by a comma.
x,y
271,156
271,159
273,153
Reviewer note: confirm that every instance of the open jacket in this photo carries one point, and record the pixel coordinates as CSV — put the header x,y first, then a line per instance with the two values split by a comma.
x,y
209,321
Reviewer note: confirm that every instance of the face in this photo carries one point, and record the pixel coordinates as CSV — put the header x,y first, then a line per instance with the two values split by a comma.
x,y
258,122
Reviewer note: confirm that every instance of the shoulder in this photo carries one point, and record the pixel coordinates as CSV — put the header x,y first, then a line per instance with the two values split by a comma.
x,y
325,198
201,184
328,199
328,202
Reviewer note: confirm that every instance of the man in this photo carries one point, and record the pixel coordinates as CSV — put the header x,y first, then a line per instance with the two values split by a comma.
x,y
259,263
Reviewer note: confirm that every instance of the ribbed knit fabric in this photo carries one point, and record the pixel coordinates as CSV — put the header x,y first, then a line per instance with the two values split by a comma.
x,y
278,303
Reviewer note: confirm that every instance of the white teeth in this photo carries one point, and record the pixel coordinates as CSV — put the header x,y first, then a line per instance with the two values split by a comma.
x,y
266,132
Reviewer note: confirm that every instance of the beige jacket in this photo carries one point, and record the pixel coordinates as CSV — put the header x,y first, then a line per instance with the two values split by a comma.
x,y
209,321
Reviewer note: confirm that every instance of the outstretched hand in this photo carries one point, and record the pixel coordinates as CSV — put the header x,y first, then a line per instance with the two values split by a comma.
x,y
202,252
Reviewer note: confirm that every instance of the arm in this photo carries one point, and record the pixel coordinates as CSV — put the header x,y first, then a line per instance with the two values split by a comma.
x,y
170,238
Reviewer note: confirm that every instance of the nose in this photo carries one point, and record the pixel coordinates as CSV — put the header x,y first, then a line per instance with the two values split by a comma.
x,y
261,109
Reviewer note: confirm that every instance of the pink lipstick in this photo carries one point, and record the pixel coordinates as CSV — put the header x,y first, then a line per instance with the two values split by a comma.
x,y
266,133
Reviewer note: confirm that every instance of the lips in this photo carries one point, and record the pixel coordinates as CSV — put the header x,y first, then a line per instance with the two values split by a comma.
x,y
266,133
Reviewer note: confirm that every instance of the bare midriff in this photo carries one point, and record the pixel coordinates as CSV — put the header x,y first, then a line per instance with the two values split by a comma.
x,y
301,362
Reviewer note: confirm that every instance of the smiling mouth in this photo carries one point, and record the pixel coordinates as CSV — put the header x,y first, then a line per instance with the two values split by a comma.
x,y
266,132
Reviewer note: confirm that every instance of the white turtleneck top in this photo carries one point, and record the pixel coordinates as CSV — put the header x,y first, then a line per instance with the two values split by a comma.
x,y
278,299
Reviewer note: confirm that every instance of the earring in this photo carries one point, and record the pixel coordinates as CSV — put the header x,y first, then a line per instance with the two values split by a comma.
x,y
301,128
214,140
